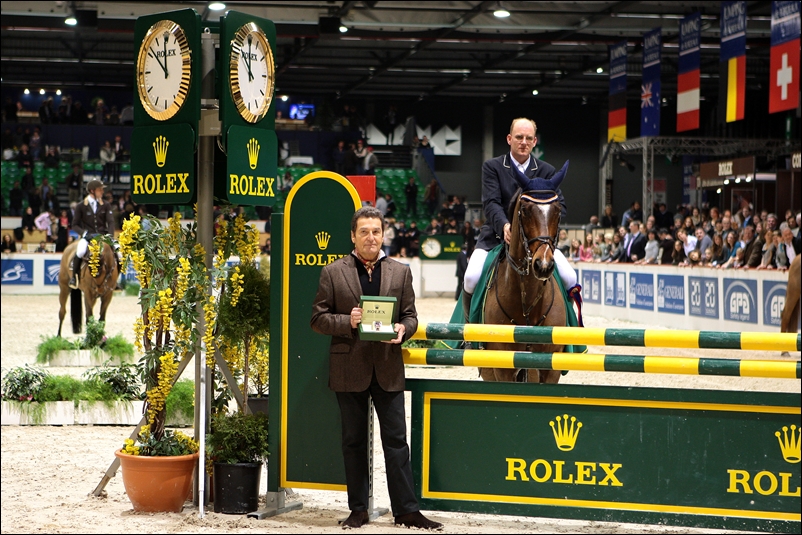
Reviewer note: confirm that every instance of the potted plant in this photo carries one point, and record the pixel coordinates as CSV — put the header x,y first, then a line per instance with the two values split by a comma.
x,y
174,284
94,349
237,447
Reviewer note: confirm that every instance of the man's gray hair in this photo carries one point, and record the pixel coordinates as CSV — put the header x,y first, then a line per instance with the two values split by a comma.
x,y
370,212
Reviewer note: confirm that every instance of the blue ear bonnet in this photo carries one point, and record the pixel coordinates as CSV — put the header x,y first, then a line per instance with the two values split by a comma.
x,y
541,188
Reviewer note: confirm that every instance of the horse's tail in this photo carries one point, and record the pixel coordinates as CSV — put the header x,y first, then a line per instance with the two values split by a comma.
x,y
76,310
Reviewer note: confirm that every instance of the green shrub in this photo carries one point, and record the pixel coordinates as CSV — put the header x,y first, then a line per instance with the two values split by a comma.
x,y
118,347
50,346
132,289
181,401
23,383
95,340
239,438
123,380
62,388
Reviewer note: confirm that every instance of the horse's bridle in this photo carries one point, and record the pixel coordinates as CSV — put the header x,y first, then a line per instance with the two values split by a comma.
x,y
548,241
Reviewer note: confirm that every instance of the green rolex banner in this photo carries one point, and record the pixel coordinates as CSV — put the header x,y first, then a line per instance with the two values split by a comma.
x,y
163,164
252,155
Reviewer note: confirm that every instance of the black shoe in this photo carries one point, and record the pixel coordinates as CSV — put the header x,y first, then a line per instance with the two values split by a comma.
x,y
356,519
417,520
73,283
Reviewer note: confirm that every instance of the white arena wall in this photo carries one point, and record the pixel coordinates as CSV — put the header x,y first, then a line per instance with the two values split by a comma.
x,y
679,298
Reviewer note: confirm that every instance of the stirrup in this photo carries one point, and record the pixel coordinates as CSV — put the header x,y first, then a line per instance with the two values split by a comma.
x,y
73,282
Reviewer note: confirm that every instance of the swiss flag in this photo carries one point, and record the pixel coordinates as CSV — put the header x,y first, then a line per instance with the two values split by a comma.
x,y
784,84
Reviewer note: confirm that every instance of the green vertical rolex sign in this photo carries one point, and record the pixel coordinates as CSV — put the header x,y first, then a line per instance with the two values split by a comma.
x,y
250,167
163,164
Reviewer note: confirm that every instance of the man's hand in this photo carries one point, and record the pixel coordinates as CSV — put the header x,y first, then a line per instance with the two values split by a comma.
x,y
356,317
507,233
400,330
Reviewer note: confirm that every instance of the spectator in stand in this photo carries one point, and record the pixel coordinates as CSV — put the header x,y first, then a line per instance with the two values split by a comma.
x,y
413,239
9,111
390,122
75,183
389,236
737,261
35,144
391,207
351,160
424,143
746,216
633,214
120,155
52,158
593,224
411,194
586,249
574,251
696,216
451,226
752,246
785,248
381,203
431,195
360,152
694,259
718,250
42,222
127,115
617,251
79,114
8,139
678,257
651,250
469,239
609,218
107,157
401,238
600,247
771,239
108,197
689,227
28,183
338,158
663,218
458,209
688,241
434,227
47,115
563,243
15,197
371,162
24,157
8,245
99,117
42,247
28,219
666,246
65,110
771,222
635,246
703,241
707,258
35,200
114,116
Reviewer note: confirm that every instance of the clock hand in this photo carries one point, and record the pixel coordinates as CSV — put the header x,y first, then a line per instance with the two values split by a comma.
x,y
156,57
165,58
250,73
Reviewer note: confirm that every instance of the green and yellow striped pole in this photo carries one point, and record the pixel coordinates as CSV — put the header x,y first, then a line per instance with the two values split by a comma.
x,y
513,334
778,369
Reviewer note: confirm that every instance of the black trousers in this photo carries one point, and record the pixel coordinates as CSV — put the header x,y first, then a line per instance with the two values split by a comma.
x,y
392,424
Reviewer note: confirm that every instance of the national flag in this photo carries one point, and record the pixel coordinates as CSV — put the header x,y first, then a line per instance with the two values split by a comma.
x,y
784,63
617,109
688,78
650,85
732,66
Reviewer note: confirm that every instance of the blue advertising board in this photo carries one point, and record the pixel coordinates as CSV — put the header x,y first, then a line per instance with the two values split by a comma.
x,y
591,286
671,294
740,300
773,302
615,288
52,269
17,271
703,297
641,291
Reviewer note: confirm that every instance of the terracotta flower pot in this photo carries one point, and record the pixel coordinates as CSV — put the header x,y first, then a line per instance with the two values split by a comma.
x,y
157,484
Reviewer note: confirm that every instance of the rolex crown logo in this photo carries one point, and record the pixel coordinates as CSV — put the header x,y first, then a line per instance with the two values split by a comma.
x,y
322,239
160,150
565,433
789,445
253,152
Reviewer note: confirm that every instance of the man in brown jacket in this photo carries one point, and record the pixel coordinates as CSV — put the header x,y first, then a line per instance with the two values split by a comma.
x,y
361,370
92,216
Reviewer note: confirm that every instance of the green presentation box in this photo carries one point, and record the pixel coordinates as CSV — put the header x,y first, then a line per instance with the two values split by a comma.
x,y
377,317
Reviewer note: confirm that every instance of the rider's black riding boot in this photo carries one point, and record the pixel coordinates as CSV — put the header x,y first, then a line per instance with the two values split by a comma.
x,y
76,268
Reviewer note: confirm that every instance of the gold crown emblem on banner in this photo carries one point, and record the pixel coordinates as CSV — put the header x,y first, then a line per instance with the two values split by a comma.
x,y
789,446
253,152
322,238
160,150
565,433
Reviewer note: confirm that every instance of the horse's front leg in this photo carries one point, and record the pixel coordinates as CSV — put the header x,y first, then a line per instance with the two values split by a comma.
x,y
89,304
105,301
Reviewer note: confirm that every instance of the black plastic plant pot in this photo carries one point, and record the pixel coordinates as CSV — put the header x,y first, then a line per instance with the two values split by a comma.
x,y
236,487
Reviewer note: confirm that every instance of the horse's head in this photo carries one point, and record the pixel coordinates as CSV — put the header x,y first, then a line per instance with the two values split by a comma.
x,y
535,224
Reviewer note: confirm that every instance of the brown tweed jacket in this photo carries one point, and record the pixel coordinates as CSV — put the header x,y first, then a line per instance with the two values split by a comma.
x,y
352,361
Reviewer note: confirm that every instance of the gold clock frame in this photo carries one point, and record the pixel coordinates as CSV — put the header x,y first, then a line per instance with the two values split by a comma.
x,y
233,72
186,69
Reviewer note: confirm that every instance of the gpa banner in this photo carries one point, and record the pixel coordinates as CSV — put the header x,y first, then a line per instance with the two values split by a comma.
x,y
732,66
688,77
650,84
784,65
617,109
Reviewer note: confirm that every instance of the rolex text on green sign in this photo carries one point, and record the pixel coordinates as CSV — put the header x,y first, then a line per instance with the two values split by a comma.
x,y
714,459
251,166
163,164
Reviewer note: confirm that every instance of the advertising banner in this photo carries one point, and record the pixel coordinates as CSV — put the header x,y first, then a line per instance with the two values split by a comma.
x,y
689,74
650,94
615,288
740,300
784,63
617,108
703,297
52,270
671,294
732,66
773,302
641,291
17,271
591,286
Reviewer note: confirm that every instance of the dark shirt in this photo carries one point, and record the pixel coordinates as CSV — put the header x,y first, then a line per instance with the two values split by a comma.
x,y
15,198
75,181
370,284
668,249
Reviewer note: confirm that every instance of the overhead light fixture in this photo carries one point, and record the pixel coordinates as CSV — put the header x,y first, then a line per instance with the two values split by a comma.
x,y
737,180
726,181
343,28
584,100
749,178
718,190
500,12
284,98
71,20
217,6
58,92
41,91
599,70
535,92
27,91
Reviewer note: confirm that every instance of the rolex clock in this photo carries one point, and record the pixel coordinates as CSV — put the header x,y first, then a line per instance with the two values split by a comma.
x,y
431,248
163,70
252,72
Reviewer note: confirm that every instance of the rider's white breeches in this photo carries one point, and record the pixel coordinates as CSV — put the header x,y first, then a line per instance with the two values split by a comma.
x,y
474,271
83,244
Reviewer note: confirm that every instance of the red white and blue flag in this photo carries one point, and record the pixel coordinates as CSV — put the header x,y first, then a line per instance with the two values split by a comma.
x,y
784,64
650,84
688,77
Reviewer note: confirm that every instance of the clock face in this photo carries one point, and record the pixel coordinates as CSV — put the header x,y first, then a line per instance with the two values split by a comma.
x,y
431,247
252,72
163,70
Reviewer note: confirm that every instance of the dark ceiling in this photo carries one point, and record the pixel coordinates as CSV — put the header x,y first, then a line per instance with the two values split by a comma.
x,y
393,50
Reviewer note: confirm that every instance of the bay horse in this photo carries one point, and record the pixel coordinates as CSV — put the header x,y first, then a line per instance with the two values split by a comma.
x,y
92,288
790,314
524,291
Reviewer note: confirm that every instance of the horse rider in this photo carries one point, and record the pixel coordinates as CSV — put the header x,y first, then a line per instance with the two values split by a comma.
x,y
499,186
92,216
